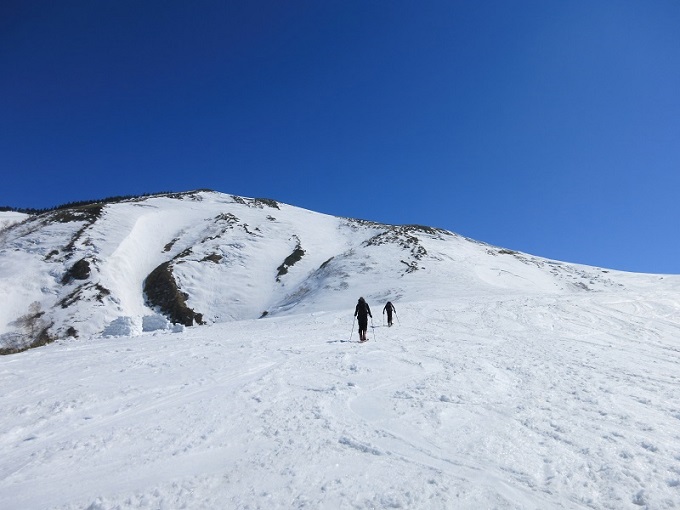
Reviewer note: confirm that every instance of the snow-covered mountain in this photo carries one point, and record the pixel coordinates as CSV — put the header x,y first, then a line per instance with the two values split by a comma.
x,y
507,382
203,257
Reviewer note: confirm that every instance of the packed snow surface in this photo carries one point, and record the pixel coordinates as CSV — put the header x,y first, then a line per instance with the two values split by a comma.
x,y
507,381
486,402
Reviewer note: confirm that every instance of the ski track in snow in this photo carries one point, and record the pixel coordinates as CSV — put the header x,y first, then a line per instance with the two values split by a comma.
x,y
507,402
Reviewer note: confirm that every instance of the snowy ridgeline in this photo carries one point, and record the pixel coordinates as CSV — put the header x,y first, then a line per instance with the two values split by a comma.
x,y
519,401
201,258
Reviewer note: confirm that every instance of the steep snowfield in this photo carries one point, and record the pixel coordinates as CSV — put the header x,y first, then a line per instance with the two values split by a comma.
x,y
82,272
508,381
226,252
8,218
506,401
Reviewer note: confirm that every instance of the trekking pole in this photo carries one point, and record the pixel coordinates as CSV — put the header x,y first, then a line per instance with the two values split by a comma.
x,y
373,327
350,335
395,313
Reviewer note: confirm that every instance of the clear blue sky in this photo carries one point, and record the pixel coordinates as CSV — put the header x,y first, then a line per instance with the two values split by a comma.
x,y
546,126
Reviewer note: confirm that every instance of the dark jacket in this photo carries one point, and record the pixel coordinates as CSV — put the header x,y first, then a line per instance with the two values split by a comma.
x,y
362,311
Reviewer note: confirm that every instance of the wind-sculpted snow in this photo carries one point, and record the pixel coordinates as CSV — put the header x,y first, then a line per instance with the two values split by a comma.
x,y
479,401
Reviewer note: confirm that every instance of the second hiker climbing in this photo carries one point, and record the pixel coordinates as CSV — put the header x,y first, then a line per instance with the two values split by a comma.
x,y
389,308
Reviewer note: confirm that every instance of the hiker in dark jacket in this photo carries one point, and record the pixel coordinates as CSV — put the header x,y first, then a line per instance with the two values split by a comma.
x,y
389,308
362,312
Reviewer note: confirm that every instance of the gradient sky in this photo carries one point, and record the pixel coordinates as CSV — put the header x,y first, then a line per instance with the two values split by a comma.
x,y
546,126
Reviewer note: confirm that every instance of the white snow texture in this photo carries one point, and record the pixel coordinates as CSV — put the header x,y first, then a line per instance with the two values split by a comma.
x,y
507,381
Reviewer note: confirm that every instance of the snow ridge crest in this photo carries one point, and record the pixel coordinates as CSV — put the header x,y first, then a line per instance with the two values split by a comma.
x,y
177,260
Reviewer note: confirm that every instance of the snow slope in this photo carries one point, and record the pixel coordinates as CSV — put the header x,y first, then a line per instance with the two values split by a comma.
x,y
508,381
8,218
84,271
517,401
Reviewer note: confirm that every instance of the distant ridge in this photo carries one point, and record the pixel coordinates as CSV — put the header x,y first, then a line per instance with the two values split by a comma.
x,y
82,203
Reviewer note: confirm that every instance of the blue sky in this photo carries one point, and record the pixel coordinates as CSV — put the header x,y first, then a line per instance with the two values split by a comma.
x,y
544,126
